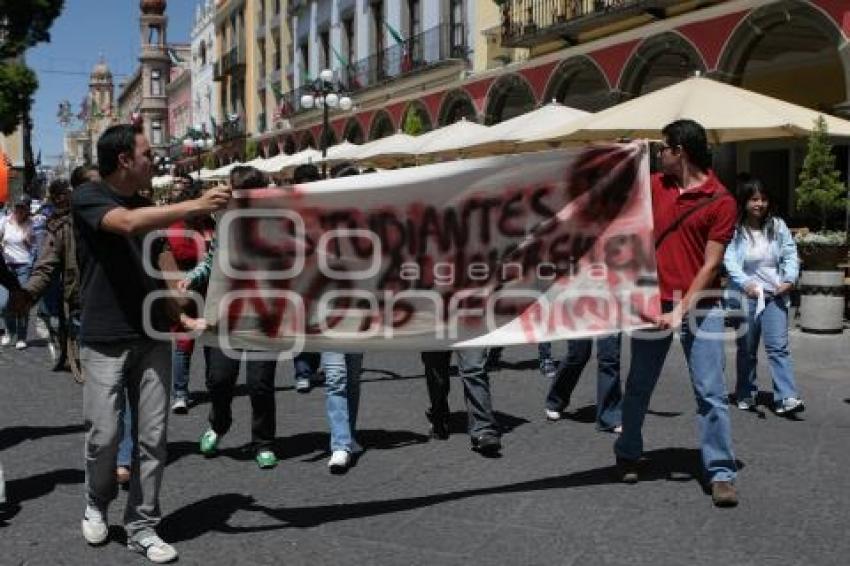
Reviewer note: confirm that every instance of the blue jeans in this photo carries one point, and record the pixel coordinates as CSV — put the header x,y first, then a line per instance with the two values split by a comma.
x,y
772,324
306,365
125,447
703,347
180,368
16,326
342,391
609,397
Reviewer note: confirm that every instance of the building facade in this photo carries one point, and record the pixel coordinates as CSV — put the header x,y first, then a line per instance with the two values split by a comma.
x,y
204,90
180,116
98,112
489,61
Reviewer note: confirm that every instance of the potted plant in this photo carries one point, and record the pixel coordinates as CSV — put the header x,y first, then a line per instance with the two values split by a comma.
x,y
821,194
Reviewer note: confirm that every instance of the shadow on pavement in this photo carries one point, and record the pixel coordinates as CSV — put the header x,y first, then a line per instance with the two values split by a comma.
x,y
39,485
214,513
312,444
13,435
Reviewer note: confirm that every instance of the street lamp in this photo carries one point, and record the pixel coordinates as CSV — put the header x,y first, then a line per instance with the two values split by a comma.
x,y
325,95
197,141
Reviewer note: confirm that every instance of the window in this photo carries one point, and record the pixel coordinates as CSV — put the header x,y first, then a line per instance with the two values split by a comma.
x,y
156,83
457,37
156,132
305,67
414,18
348,38
203,54
325,41
378,48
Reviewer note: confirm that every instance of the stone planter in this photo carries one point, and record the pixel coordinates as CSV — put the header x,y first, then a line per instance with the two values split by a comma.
x,y
822,302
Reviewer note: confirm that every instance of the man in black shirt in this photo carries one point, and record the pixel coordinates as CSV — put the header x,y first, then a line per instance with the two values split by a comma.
x,y
117,352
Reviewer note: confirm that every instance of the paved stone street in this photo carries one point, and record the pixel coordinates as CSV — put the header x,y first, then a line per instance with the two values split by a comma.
x,y
551,499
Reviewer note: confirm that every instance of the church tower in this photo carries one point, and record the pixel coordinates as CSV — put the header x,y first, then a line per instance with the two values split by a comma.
x,y
155,69
101,110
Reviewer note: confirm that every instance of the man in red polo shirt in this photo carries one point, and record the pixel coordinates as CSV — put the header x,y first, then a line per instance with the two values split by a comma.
x,y
694,219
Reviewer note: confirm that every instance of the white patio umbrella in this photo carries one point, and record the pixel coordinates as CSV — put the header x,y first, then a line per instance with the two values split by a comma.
x,y
220,173
448,139
345,151
728,113
308,155
273,164
162,181
388,151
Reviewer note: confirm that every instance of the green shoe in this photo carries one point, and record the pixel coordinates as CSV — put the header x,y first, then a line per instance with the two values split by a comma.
x,y
266,459
209,442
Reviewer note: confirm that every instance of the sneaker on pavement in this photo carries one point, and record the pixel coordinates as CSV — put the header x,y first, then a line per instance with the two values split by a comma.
x,y
723,494
552,415
209,443
95,530
340,462
41,329
266,459
439,429
180,406
488,444
747,403
627,470
154,548
303,385
790,406
5,340
21,345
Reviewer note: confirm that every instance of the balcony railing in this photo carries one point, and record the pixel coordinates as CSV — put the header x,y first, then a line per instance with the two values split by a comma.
x,y
526,23
422,51
231,62
229,130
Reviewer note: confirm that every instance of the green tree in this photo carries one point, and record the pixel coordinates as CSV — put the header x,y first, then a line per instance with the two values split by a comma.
x,y
252,149
820,191
23,24
412,122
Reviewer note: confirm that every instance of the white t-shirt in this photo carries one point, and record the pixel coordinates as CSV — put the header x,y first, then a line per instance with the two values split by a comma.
x,y
760,263
16,240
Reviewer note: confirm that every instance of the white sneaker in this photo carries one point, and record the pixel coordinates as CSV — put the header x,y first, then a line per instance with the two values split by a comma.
x,y
94,525
154,548
20,345
6,340
790,406
180,406
41,329
747,404
54,353
339,462
553,415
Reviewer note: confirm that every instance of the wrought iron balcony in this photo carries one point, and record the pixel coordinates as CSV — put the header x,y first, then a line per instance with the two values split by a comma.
x,y
526,23
230,129
437,46
230,63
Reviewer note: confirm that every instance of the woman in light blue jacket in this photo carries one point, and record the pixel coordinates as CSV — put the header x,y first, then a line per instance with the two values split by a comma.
x,y
763,266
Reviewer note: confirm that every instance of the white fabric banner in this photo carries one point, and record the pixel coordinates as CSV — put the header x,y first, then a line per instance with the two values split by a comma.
x,y
485,252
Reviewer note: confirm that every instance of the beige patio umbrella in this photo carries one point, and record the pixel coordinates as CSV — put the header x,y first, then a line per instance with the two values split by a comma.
x,y
504,136
388,151
308,155
345,151
447,140
728,113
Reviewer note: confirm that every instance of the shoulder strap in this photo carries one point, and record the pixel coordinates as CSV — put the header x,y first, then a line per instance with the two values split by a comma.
x,y
678,222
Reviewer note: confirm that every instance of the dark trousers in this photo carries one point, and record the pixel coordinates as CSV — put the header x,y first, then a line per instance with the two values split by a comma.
x,y
609,395
476,388
222,372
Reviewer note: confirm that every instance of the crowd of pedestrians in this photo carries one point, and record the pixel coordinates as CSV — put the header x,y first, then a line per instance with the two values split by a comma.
x,y
91,258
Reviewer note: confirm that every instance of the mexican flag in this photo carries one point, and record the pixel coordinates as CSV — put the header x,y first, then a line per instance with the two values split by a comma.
x,y
351,76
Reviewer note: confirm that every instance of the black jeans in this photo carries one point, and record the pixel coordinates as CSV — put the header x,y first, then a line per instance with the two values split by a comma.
x,y
222,372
